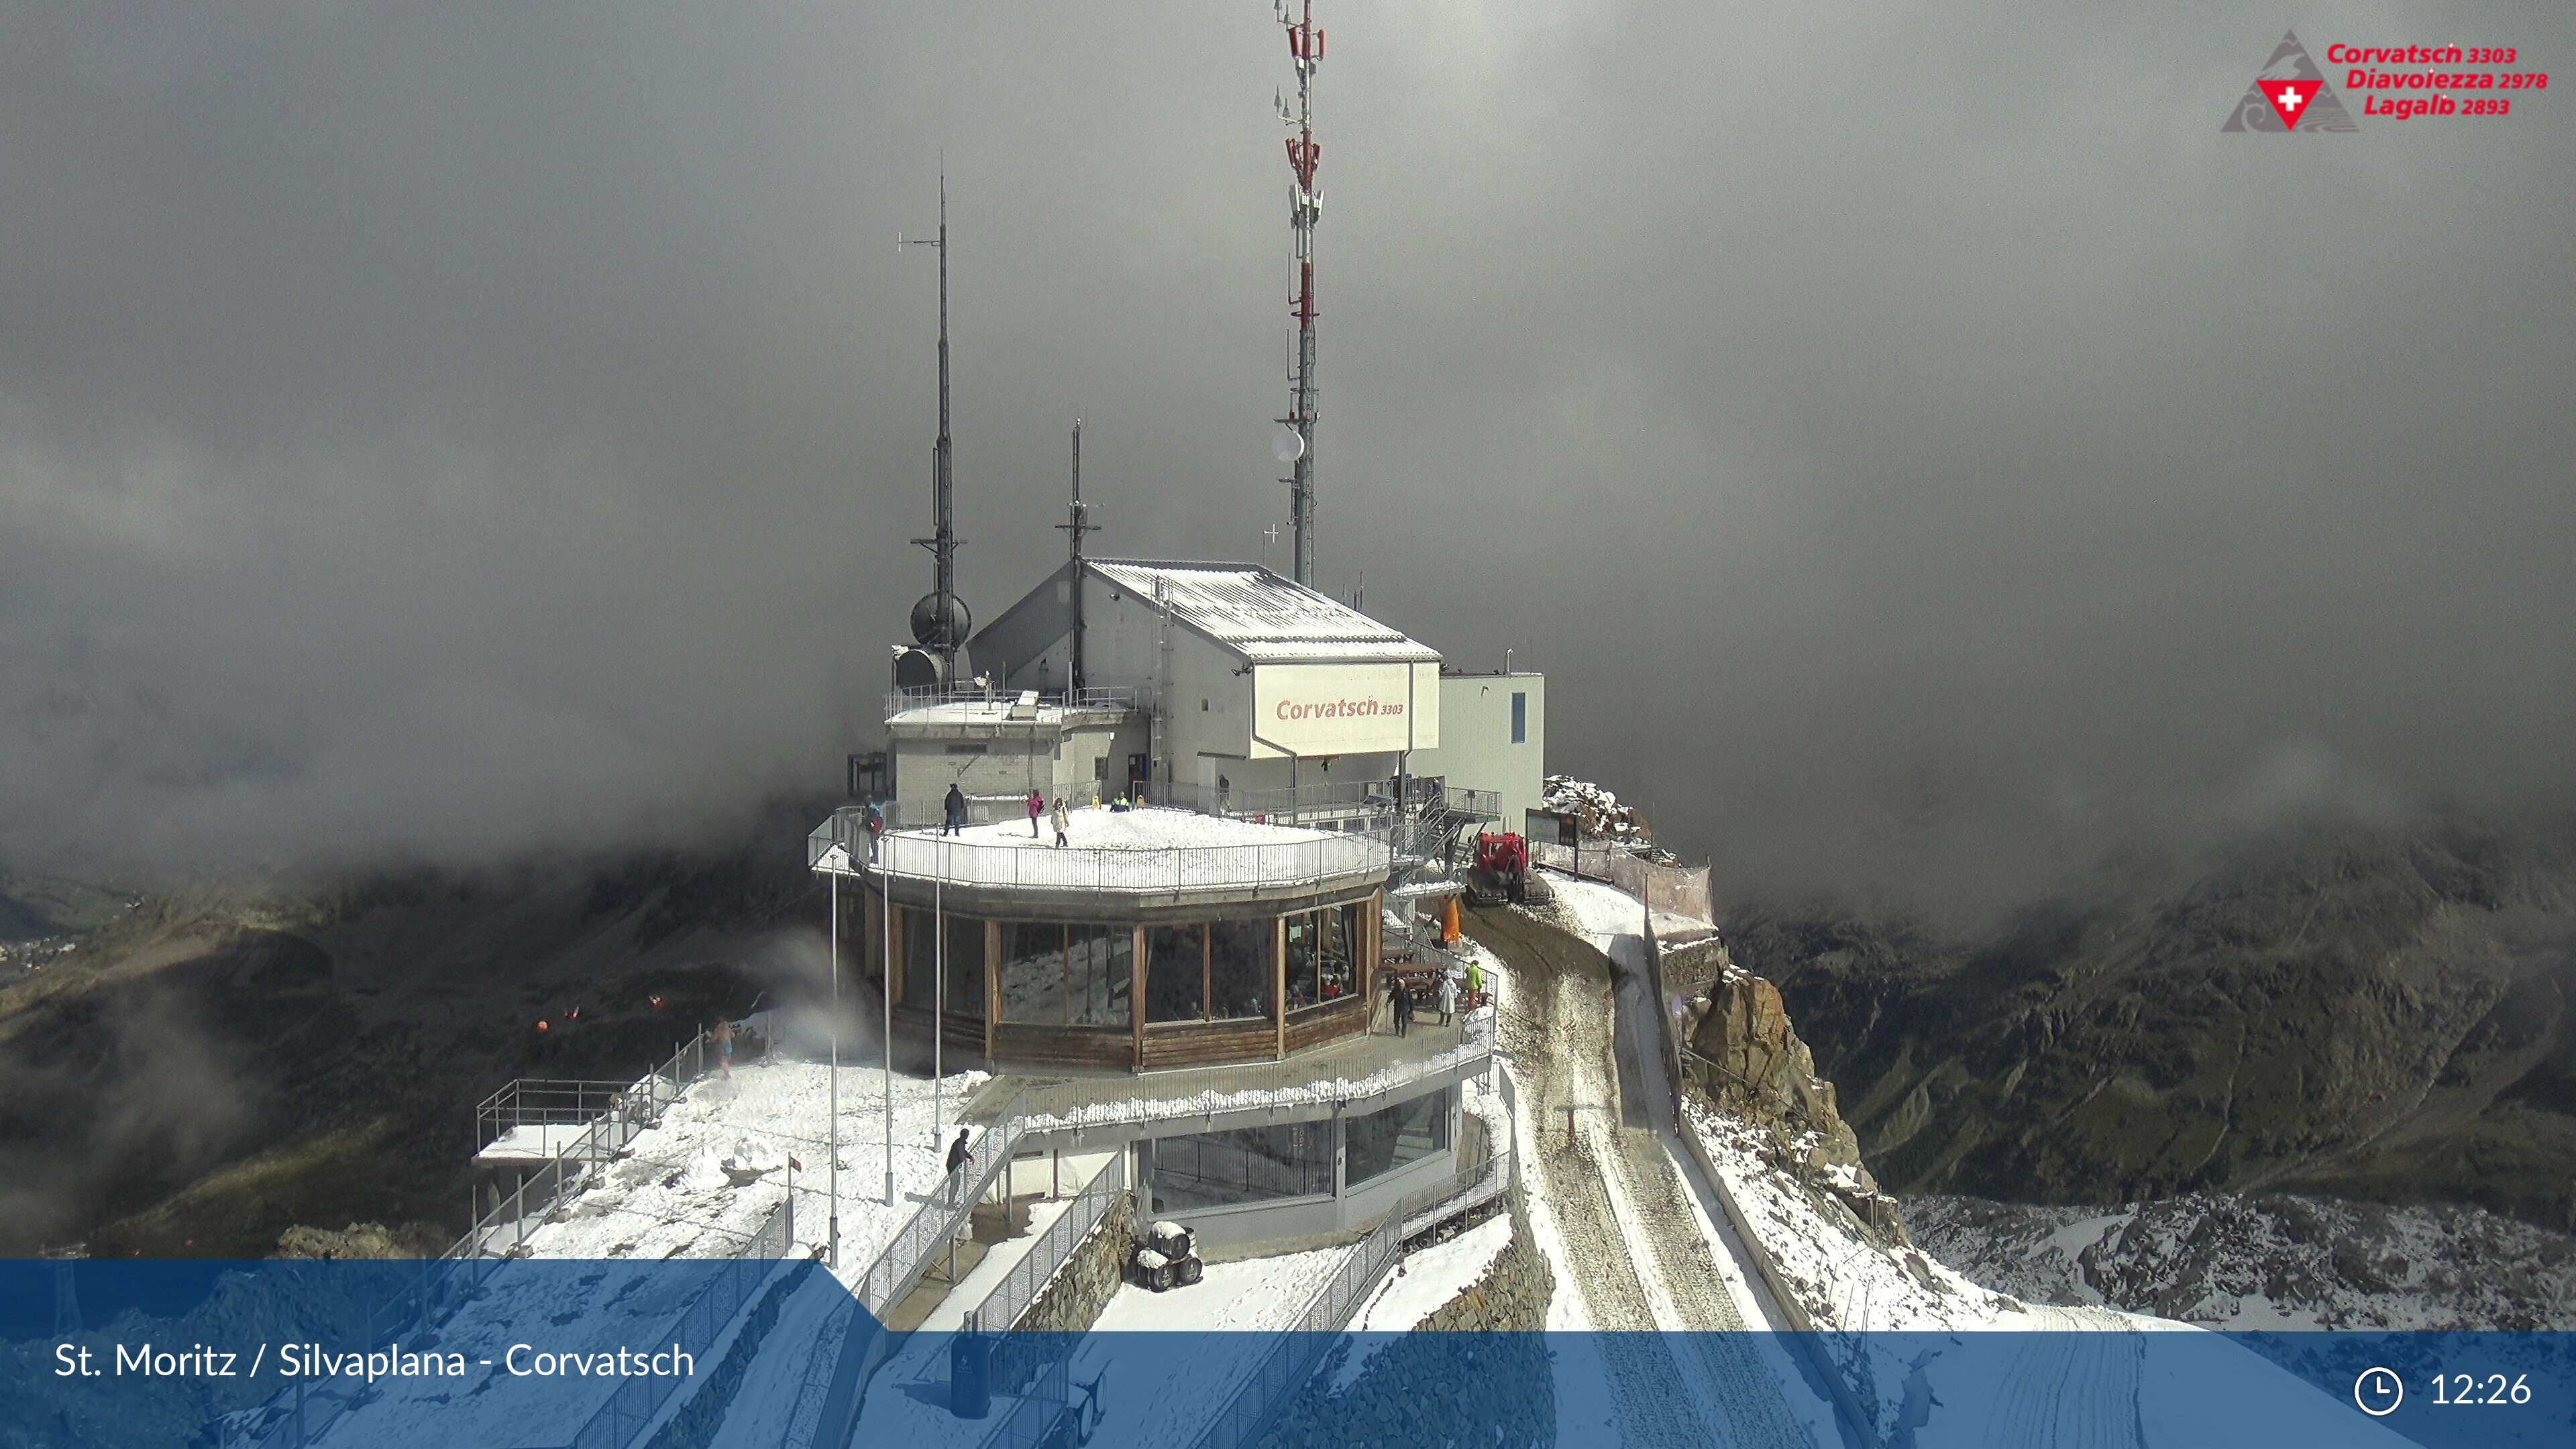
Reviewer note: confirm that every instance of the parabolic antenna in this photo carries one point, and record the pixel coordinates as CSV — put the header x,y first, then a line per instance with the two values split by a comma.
x,y
1287,445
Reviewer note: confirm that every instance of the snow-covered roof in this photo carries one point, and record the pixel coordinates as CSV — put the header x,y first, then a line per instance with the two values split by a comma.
x,y
1261,616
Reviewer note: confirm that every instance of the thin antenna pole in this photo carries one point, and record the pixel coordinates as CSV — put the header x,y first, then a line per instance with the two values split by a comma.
x,y
1077,523
885,976
1305,208
947,620
832,1110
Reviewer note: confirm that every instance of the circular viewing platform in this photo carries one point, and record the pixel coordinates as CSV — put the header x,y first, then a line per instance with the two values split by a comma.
x,y
1151,938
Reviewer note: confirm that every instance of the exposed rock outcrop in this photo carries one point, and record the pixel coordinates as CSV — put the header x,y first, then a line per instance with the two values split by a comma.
x,y
362,1240
1744,1052
2362,1010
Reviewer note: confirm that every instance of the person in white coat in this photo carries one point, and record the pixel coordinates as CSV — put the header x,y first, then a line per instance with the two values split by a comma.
x,y
1448,997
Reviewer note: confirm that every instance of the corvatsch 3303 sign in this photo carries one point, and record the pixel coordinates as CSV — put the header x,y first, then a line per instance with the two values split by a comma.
x,y
1344,709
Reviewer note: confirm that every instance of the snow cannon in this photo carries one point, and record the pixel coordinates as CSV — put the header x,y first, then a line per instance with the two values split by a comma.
x,y
1501,869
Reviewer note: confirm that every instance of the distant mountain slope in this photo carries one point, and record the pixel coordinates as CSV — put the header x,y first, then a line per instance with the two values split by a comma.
x,y
2373,1012
204,1073
2266,1262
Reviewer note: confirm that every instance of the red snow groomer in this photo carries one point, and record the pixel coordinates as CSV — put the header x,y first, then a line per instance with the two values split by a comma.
x,y
1501,871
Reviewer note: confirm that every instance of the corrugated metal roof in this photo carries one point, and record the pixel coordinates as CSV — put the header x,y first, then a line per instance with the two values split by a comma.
x,y
1262,616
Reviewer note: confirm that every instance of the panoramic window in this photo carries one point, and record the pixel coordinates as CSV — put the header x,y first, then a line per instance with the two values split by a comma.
x,y
1175,973
1305,952
921,961
1099,969
1396,1136
966,966
1338,956
1255,1164
1239,969
1033,975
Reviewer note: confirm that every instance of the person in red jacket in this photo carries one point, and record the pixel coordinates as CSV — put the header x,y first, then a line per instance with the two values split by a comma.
x,y
1037,807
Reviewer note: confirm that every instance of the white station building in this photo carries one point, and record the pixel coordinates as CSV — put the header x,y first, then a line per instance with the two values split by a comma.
x,y
1218,686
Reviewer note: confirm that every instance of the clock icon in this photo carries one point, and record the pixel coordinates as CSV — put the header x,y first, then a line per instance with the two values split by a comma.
x,y
2378,1391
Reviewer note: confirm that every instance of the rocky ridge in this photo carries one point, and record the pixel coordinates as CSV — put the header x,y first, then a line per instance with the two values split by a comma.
x,y
2349,1009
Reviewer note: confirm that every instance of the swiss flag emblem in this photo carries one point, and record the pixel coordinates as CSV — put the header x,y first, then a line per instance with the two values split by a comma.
x,y
2289,98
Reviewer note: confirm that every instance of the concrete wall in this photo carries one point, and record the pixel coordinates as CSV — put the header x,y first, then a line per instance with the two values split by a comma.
x,y
1073,756
1476,750
1012,761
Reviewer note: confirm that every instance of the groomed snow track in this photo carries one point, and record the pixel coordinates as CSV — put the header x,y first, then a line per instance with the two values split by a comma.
x,y
1648,1283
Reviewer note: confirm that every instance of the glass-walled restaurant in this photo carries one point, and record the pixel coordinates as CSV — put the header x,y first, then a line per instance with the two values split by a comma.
x,y
1242,987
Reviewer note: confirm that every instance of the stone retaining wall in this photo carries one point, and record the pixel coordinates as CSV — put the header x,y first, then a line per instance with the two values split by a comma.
x,y
697,1420
1072,1302
1511,1297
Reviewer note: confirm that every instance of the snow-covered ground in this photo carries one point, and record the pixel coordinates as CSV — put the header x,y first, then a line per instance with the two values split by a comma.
x,y
2248,1262
1151,1404
1144,849
805,1341
670,1195
1424,1282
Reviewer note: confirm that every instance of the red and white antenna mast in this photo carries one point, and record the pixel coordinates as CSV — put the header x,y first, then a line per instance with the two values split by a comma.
x,y
1297,436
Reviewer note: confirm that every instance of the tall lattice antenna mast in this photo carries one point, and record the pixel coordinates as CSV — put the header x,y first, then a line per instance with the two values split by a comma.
x,y
940,622
1296,446
1078,523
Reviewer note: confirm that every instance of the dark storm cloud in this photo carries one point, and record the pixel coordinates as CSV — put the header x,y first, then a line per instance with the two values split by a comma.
x,y
450,429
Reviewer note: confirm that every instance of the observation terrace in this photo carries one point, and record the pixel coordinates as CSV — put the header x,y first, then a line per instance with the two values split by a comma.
x,y
1140,864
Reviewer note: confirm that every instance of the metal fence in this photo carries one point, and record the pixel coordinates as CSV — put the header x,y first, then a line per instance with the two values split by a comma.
x,y
1291,1361
1033,1420
1469,1190
1679,890
898,1268
1166,870
545,1102
440,1284
1155,870
1325,798
896,1271
1001,1308
630,1409
1085,1102
1107,697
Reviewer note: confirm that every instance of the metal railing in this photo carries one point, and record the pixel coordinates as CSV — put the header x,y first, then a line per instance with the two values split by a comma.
x,y
544,1102
444,1282
896,1271
1001,1308
618,1422
1032,1422
1087,1102
1331,797
900,1266
1119,697
1254,1408
1674,889
1160,871
1469,1190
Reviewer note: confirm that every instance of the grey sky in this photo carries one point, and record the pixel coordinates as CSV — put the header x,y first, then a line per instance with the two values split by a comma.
x,y
454,429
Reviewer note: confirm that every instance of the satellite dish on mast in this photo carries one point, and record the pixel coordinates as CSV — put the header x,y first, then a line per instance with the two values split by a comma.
x,y
1287,445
